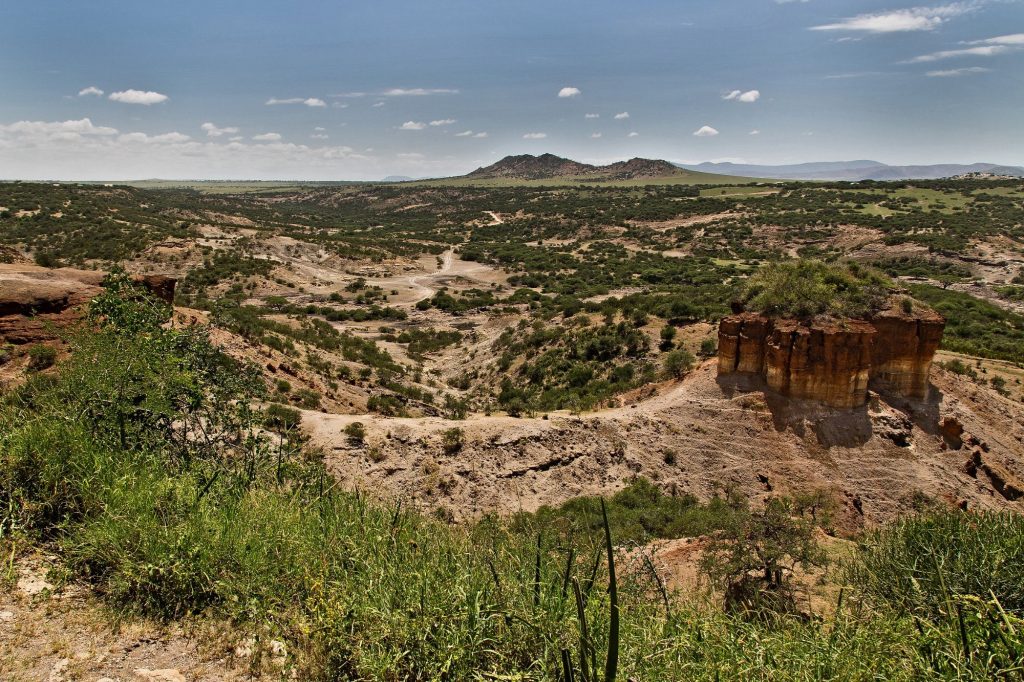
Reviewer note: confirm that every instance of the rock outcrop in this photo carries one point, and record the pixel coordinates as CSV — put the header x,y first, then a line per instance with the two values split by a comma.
x,y
833,361
35,302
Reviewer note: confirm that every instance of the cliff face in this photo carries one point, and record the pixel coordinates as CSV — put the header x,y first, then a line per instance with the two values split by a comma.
x,y
36,302
904,359
833,362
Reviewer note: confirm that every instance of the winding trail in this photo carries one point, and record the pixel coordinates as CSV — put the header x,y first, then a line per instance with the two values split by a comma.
x,y
416,282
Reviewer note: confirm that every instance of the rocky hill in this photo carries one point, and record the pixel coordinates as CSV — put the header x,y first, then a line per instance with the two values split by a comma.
x,y
545,166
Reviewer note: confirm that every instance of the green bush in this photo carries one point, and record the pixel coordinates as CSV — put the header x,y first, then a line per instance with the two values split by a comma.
x,y
806,288
41,356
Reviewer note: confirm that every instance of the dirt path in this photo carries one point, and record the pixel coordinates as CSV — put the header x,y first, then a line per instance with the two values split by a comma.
x,y
495,219
425,291
695,436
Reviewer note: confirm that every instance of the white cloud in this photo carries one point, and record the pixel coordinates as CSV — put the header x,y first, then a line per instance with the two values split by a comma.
x,y
418,92
754,132
1014,39
705,131
746,97
569,92
339,105
901,20
308,101
319,136
979,51
620,116
144,97
166,138
412,125
957,72
319,129
633,134
56,131
236,138
595,135
91,90
267,137
480,135
591,115
213,131
377,105
442,122
534,136
409,155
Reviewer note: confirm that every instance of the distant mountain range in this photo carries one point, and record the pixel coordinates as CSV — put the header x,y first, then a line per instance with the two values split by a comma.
x,y
854,170
546,166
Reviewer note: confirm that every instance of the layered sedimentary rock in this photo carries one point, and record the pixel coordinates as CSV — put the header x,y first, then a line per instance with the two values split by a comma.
x,y
35,302
904,358
833,361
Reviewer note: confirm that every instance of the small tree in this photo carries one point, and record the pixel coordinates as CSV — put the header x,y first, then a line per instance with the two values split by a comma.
x,y
678,363
668,335
753,559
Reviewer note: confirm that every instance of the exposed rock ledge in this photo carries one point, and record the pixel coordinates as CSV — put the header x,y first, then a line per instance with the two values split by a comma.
x,y
834,361
37,301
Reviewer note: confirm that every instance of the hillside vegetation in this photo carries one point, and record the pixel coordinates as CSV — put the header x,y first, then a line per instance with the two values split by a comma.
x,y
143,463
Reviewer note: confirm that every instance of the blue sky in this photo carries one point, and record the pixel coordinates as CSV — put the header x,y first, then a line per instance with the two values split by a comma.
x,y
117,89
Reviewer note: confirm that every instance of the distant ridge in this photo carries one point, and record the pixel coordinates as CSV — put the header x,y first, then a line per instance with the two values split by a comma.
x,y
855,170
549,166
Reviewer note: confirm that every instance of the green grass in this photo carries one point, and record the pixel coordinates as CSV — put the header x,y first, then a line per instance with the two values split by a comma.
x,y
102,463
973,326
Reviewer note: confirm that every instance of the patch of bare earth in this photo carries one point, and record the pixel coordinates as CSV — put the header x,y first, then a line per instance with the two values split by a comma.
x,y
877,462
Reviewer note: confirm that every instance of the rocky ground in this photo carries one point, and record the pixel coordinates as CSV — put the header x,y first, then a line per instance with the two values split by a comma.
x,y
699,436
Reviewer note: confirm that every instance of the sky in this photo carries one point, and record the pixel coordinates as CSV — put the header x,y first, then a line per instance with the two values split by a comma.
x,y
347,89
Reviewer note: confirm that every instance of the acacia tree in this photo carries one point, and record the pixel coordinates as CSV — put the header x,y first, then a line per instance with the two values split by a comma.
x,y
752,560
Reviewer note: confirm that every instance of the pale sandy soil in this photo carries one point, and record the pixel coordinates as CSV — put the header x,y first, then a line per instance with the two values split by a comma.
x,y
716,434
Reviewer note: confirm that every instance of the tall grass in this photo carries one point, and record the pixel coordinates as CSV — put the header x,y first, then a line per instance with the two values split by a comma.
x,y
228,524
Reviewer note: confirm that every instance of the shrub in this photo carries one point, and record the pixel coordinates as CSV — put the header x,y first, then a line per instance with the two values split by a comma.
x,y
452,440
678,362
356,433
41,356
281,418
806,288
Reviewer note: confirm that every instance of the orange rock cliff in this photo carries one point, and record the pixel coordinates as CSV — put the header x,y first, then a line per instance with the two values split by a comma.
x,y
833,361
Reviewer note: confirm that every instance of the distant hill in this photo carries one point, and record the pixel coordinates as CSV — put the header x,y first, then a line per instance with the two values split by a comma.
x,y
855,170
397,178
549,167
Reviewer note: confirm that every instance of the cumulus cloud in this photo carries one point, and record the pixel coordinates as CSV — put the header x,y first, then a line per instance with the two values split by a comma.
x,y
591,115
569,92
534,136
442,122
740,96
267,137
212,130
91,90
144,97
620,116
412,125
308,101
55,130
754,132
319,136
470,133
978,51
82,150
705,131
633,134
595,135
957,72
901,20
